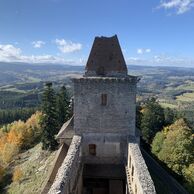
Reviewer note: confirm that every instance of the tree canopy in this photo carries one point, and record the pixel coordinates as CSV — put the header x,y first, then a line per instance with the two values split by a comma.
x,y
63,106
56,111
152,119
174,146
49,122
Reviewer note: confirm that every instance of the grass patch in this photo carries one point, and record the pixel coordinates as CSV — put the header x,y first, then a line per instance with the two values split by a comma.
x,y
186,97
34,165
168,105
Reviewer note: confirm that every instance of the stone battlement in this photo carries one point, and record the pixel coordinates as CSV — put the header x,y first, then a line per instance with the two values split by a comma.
x,y
69,177
129,79
68,172
139,176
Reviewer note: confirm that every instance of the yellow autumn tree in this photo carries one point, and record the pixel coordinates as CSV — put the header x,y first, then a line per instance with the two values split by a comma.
x,y
8,153
16,133
33,129
3,141
19,135
189,177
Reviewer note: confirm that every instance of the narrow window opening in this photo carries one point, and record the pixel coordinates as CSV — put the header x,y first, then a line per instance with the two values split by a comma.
x,y
132,173
103,99
135,189
92,149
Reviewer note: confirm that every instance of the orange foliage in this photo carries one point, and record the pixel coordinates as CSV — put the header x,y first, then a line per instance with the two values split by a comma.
x,y
17,174
16,134
8,153
19,136
3,141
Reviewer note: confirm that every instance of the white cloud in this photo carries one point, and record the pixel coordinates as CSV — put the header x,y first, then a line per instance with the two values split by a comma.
x,y
162,60
67,46
181,6
143,51
10,53
139,51
148,50
38,44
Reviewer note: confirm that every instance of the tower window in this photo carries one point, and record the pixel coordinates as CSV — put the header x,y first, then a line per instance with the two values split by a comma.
x,y
130,162
103,99
92,149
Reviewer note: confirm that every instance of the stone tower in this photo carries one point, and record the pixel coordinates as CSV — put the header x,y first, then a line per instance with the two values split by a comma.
x,y
99,151
105,98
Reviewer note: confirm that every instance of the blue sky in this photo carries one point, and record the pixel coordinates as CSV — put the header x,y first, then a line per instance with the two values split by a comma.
x,y
151,32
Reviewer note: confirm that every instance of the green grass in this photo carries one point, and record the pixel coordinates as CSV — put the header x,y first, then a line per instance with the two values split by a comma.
x,y
11,88
35,165
15,90
33,79
6,87
168,105
186,97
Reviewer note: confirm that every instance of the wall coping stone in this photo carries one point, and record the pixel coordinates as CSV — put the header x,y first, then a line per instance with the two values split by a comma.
x,y
141,168
63,176
129,78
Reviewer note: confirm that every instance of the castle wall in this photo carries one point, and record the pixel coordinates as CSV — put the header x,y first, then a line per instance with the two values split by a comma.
x,y
104,119
68,178
138,176
110,148
59,158
117,116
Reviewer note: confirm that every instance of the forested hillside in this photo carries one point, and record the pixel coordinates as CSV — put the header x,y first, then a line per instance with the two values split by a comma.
x,y
165,115
169,135
18,138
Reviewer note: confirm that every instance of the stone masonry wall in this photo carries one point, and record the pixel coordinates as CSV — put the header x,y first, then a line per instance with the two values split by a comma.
x,y
68,172
138,174
110,148
118,116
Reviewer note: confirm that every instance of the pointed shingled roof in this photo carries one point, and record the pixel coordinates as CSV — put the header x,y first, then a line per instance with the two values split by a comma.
x,y
106,58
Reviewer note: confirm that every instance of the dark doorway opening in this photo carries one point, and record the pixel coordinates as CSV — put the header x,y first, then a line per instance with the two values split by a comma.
x,y
104,179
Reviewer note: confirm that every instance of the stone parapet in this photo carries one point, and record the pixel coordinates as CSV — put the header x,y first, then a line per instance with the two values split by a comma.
x,y
68,172
129,78
139,176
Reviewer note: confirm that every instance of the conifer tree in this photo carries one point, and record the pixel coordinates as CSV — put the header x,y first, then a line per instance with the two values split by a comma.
x,y
49,122
63,106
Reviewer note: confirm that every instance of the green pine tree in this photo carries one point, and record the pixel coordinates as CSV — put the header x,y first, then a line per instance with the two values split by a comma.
x,y
49,122
63,106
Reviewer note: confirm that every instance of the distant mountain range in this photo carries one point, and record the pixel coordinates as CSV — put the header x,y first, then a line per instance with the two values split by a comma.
x,y
11,73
